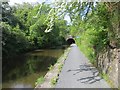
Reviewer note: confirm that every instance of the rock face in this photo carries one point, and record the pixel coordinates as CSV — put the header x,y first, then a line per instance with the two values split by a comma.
x,y
109,63
119,68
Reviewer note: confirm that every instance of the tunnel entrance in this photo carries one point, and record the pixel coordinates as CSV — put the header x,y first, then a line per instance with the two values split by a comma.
x,y
70,41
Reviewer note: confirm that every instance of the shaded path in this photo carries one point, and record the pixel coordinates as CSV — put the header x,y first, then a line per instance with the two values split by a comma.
x,y
78,72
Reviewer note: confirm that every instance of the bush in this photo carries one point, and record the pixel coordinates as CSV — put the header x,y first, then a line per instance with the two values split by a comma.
x,y
13,40
40,80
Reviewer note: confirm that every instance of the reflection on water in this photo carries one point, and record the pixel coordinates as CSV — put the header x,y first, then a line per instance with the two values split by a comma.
x,y
22,71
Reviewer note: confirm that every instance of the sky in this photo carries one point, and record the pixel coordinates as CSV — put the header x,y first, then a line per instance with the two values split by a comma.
x,y
40,1
11,2
21,1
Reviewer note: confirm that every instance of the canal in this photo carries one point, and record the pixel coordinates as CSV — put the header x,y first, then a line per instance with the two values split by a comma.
x,y
23,71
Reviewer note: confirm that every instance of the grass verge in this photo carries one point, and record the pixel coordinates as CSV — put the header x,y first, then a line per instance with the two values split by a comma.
x,y
106,78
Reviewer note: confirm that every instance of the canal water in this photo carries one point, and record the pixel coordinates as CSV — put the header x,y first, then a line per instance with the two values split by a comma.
x,y
23,71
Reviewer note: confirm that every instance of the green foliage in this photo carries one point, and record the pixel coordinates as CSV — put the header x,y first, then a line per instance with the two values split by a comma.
x,y
96,30
54,80
50,67
40,80
13,38
30,26
106,77
24,28
92,41
60,67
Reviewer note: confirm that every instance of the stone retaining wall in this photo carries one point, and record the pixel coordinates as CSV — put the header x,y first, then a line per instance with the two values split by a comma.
x,y
109,63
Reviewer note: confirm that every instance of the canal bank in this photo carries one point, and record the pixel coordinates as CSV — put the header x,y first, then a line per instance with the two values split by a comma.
x,y
50,79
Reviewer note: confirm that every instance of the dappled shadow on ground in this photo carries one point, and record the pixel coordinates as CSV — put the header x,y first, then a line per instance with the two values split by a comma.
x,y
89,78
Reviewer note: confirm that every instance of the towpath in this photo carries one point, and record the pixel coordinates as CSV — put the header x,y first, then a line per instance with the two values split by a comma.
x,y
78,72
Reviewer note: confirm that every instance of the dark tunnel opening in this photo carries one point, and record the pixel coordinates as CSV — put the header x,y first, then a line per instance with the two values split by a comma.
x,y
70,41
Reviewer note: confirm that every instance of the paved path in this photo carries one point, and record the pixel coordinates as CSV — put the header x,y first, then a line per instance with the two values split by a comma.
x,y
77,72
